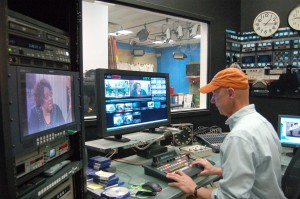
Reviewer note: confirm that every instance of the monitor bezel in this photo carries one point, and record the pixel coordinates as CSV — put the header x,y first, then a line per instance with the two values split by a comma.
x,y
279,129
101,109
23,142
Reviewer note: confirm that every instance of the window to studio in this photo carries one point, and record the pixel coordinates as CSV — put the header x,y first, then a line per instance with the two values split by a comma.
x,y
126,38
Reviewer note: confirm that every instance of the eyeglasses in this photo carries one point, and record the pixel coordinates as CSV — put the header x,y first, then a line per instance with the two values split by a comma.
x,y
48,95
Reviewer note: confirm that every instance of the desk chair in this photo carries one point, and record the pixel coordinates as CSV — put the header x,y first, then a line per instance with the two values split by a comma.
x,y
291,178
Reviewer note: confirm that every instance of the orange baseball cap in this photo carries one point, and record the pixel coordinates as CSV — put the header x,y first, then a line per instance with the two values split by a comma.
x,y
228,78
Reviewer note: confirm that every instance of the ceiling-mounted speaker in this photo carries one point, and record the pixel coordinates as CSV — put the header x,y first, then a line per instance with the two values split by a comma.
x,y
138,52
179,33
179,55
143,34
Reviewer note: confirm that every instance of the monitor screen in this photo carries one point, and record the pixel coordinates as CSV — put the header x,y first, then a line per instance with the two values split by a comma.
x,y
131,101
48,98
264,58
248,59
289,130
46,102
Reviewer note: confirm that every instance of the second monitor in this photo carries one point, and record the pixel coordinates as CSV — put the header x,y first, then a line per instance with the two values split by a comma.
x,y
130,101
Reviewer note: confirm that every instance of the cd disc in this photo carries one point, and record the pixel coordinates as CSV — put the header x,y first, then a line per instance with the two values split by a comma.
x,y
116,192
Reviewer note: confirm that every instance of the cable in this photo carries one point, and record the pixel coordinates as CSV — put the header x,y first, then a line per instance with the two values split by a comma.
x,y
165,135
128,162
114,152
148,145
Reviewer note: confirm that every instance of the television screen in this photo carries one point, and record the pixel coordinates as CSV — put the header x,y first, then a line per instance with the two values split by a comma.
x,y
289,130
264,58
130,101
48,101
45,103
248,59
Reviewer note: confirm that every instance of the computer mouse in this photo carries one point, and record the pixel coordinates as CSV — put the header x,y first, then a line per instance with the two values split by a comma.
x,y
152,186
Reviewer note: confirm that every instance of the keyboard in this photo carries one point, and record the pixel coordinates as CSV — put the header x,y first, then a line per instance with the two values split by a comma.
x,y
213,140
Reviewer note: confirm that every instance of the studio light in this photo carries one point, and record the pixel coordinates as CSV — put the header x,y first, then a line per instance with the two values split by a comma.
x,y
168,35
193,31
143,34
179,33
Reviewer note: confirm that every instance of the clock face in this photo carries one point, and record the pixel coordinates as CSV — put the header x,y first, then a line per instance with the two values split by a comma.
x,y
294,18
266,23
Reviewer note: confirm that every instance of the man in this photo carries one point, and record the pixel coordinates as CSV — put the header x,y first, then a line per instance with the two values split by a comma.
x,y
250,154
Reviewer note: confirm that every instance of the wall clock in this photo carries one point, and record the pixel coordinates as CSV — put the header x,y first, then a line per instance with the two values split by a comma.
x,y
294,18
266,23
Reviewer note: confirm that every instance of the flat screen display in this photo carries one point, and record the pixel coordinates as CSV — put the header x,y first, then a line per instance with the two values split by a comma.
x,y
264,58
130,101
46,101
248,59
289,130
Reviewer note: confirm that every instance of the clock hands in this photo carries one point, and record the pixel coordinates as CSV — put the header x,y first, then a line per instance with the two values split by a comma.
x,y
268,21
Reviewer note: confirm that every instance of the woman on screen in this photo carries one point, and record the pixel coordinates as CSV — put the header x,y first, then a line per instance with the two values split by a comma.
x,y
45,114
137,90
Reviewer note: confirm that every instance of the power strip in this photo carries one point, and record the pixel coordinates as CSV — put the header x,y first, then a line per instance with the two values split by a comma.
x,y
197,151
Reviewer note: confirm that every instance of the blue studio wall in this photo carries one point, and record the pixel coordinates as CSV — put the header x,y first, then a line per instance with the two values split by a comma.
x,y
176,67
167,64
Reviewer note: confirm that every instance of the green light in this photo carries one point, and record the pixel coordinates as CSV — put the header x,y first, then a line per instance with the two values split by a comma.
x,y
70,131
9,49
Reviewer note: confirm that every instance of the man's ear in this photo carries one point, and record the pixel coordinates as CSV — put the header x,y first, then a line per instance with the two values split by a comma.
x,y
231,92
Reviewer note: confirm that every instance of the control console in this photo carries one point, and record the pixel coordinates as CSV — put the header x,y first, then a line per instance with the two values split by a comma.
x,y
168,162
197,151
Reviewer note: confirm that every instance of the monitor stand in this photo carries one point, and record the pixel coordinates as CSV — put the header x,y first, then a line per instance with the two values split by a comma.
x,y
292,153
117,138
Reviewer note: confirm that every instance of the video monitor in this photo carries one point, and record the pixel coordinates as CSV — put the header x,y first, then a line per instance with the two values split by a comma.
x,y
248,59
46,101
289,130
131,101
264,58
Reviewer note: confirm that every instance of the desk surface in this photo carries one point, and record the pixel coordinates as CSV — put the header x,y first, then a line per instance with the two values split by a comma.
x,y
136,139
134,174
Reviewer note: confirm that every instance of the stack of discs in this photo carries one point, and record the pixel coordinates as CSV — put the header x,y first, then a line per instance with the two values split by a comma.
x,y
116,193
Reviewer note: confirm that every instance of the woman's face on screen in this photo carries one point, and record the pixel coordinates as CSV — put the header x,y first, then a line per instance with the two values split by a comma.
x,y
48,99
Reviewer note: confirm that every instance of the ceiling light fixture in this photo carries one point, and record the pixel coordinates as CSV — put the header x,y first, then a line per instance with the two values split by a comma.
x,y
120,32
158,42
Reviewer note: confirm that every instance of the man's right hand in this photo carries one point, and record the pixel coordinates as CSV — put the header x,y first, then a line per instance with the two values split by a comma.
x,y
208,168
